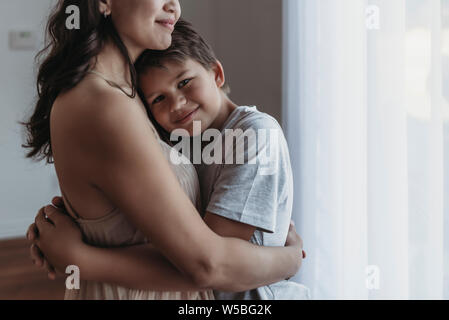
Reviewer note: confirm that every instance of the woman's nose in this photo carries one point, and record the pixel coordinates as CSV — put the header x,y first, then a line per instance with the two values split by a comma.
x,y
172,6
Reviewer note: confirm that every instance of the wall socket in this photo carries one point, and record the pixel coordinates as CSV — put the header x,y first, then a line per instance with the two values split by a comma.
x,y
22,40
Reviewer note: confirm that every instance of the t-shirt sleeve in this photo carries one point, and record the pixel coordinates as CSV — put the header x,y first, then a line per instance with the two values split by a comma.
x,y
250,192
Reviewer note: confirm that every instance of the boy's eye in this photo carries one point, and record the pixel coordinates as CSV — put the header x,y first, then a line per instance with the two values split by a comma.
x,y
183,83
158,99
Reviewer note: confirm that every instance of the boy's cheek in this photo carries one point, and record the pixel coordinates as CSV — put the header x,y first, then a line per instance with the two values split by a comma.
x,y
162,121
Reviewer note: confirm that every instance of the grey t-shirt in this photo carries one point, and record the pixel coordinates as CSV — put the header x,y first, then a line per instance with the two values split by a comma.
x,y
257,191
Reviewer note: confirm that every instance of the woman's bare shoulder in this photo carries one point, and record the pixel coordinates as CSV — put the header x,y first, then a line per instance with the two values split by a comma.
x,y
89,98
95,121
91,105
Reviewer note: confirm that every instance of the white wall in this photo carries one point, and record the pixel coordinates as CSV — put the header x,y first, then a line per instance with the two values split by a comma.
x,y
24,186
246,35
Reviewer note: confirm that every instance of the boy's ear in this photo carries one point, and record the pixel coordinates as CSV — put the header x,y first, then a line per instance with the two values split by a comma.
x,y
220,78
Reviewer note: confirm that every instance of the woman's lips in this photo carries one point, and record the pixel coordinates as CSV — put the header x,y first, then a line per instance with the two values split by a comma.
x,y
187,118
169,24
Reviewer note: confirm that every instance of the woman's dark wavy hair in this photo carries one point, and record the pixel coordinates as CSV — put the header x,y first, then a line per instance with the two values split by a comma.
x,y
67,57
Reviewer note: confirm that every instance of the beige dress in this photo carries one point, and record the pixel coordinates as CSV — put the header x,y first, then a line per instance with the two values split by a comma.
x,y
115,230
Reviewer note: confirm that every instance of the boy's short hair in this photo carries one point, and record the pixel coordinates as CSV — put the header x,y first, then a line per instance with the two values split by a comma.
x,y
186,43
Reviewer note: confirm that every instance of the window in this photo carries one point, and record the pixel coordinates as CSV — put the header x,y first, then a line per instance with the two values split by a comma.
x,y
366,112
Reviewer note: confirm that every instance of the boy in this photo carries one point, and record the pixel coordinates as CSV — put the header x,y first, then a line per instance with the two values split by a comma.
x,y
185,86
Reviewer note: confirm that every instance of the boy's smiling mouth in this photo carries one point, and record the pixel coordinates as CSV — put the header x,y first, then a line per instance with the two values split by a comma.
x,y
186,116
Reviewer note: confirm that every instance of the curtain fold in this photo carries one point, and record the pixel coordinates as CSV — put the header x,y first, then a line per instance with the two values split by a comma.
x,y
387,151
365,112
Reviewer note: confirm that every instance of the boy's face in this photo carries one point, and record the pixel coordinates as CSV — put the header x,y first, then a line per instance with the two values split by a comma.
x,y
180,93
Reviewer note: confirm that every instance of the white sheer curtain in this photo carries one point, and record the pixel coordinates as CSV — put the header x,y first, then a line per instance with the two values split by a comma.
x,y
366,113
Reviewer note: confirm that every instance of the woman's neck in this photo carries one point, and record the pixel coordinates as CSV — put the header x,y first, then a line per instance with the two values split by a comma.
x,y
112,64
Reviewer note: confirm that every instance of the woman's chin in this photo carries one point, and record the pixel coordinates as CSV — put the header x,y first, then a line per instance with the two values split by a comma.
x,y
163,44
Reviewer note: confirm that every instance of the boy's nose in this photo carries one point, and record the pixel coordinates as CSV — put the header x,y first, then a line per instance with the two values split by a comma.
x,y
178,103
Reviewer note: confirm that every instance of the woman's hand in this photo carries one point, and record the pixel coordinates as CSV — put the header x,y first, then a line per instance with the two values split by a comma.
x,y
36,254
294,240
56,239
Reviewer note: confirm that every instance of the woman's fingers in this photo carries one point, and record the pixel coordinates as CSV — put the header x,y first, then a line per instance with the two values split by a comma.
x,y
52,213
292,227
292,234
56,215
42,222
36,255
58,202
32,232
301,243
40,261
51,273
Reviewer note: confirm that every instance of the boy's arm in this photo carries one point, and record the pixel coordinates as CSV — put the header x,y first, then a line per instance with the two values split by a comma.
x,y
258,192
229,228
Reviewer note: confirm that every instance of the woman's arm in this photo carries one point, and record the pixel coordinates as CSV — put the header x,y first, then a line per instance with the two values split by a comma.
x,y
123,158
138,267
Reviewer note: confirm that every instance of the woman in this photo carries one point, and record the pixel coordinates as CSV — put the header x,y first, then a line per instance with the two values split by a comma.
x,y
112,168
